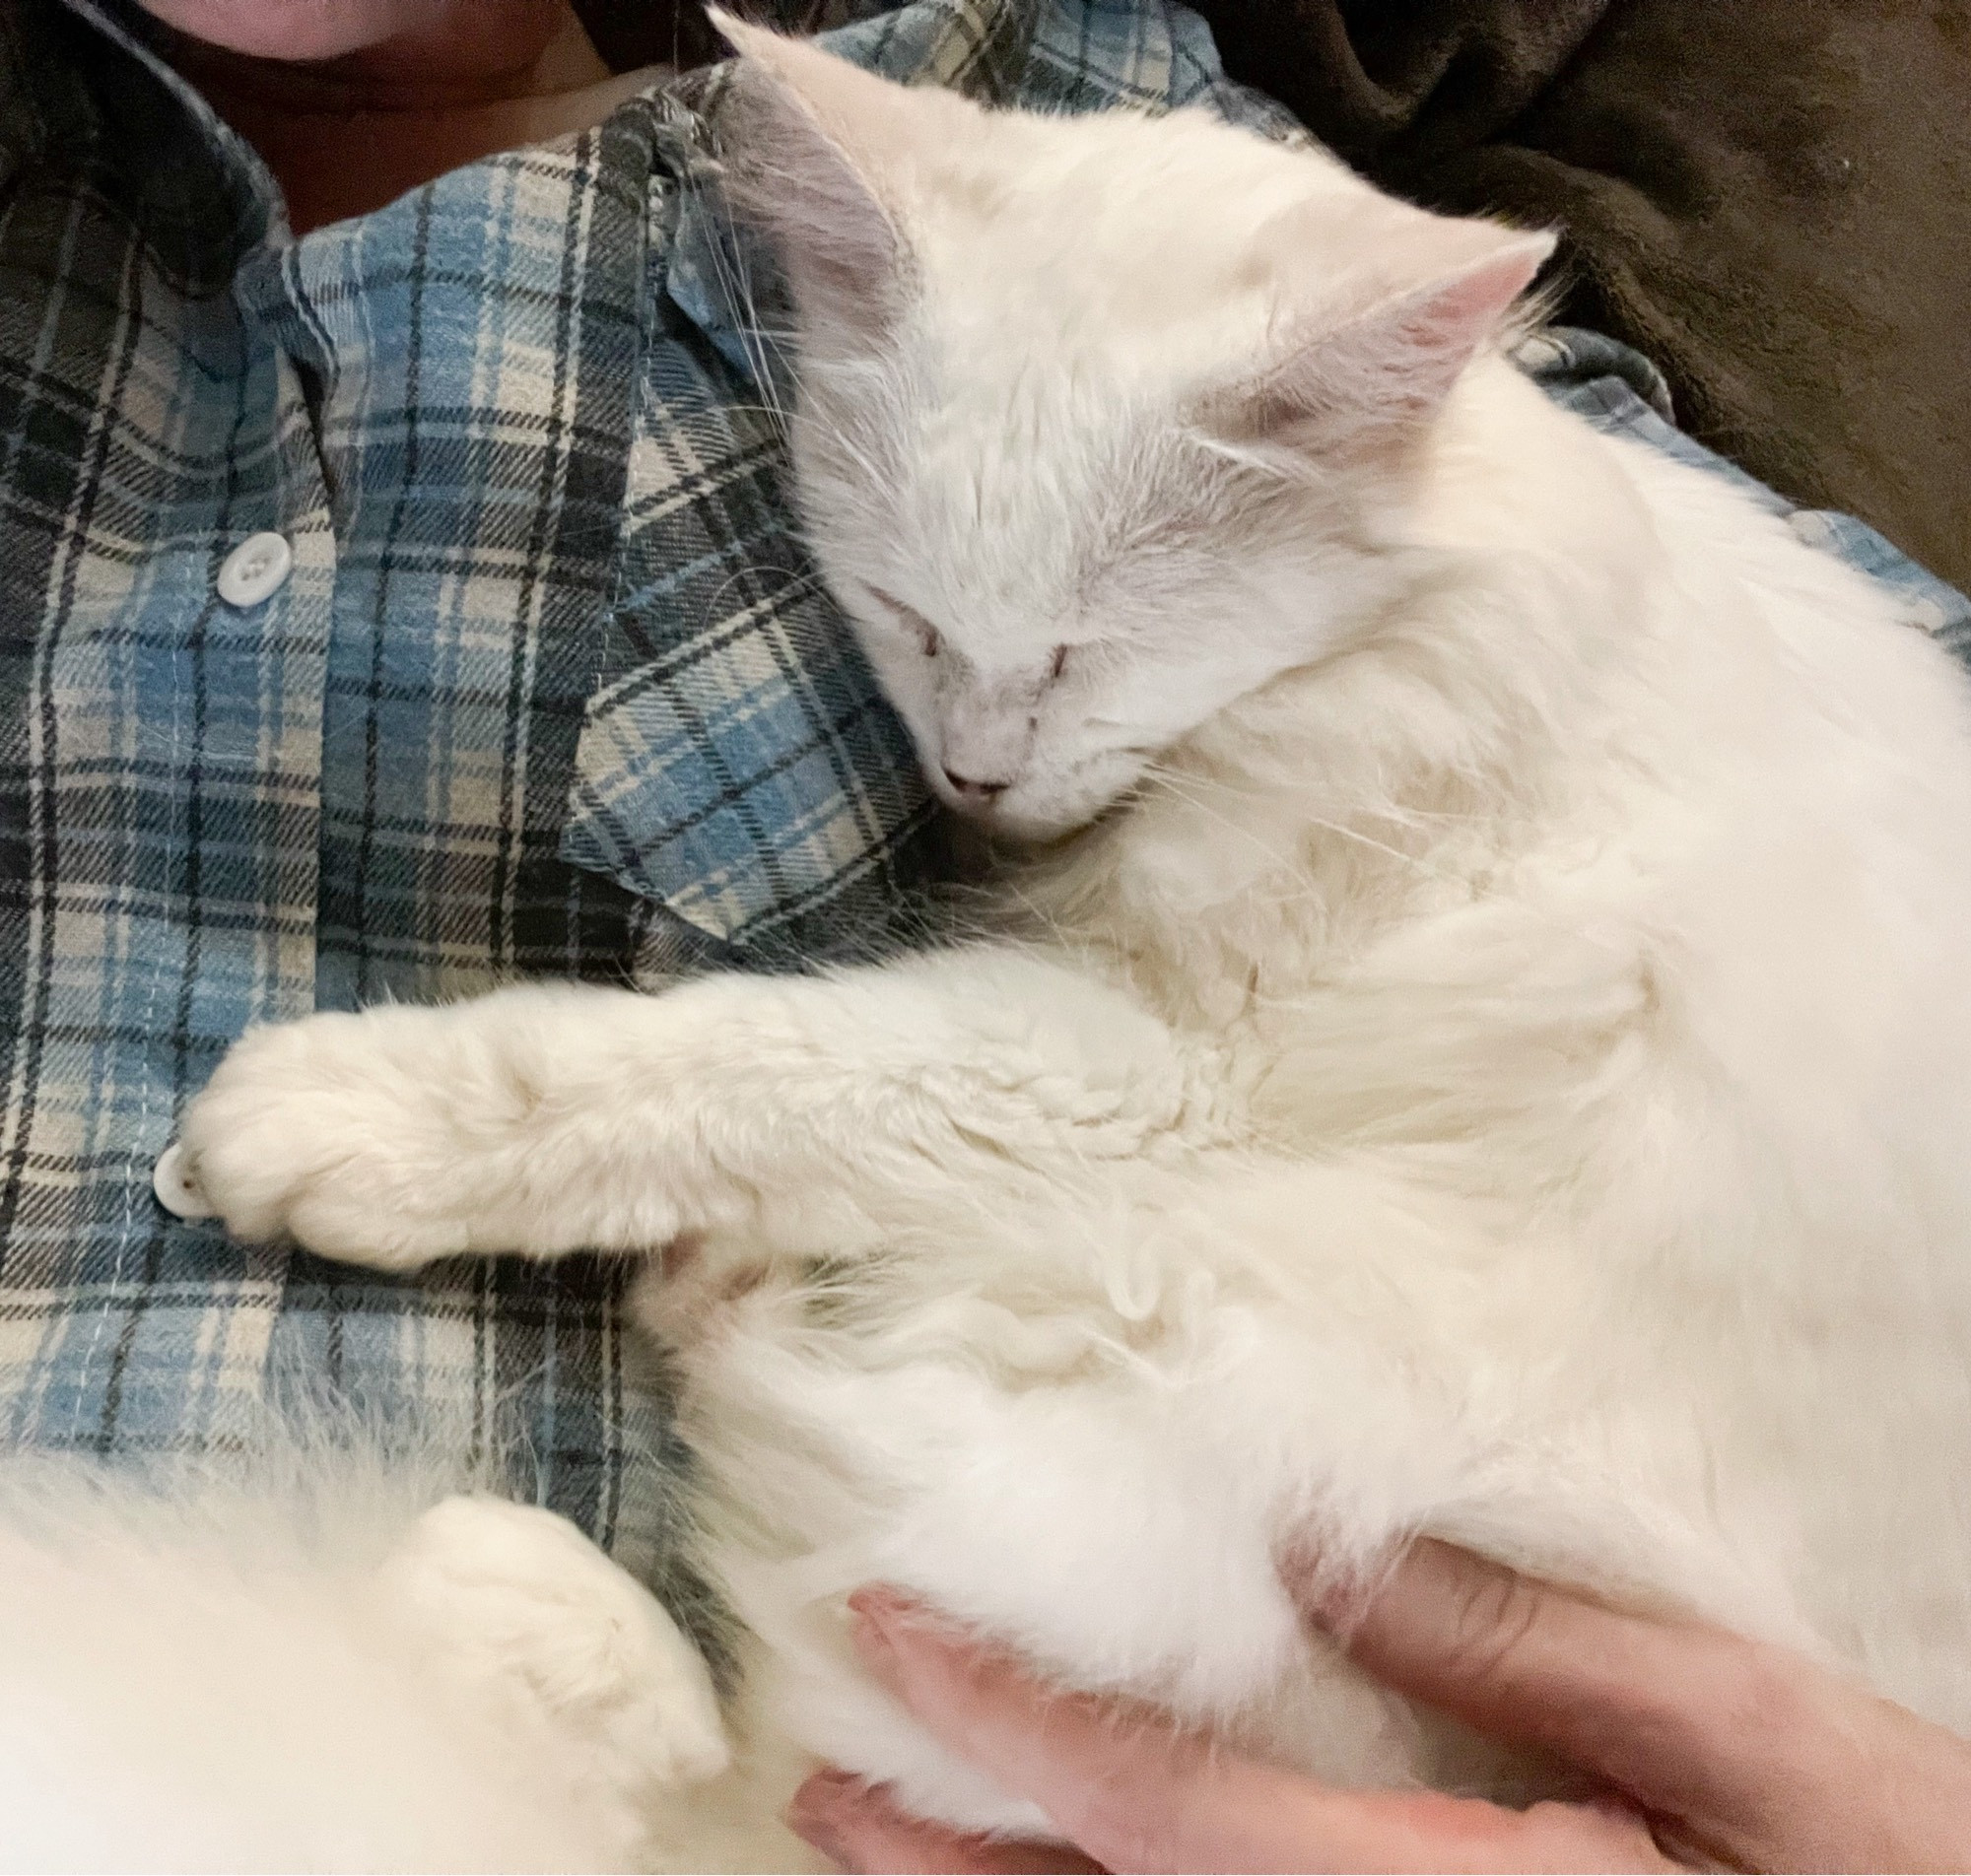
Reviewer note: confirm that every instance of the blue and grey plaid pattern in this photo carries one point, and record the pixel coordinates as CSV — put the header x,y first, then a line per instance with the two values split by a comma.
x,y
1619,391
552,689
738,764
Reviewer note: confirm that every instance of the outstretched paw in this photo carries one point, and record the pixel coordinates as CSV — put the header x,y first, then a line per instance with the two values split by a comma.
x,y
522,1606
408,1134
337,1131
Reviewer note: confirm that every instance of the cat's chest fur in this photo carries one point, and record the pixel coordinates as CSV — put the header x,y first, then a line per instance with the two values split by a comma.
x,y
1436,975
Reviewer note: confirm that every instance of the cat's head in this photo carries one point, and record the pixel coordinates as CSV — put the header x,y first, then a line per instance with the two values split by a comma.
x,y
1101,419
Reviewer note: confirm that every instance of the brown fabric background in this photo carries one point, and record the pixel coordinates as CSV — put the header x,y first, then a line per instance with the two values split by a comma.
x,y
632,32
1772,198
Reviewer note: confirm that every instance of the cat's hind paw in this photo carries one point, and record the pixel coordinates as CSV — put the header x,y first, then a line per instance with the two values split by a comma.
x,y
519,1605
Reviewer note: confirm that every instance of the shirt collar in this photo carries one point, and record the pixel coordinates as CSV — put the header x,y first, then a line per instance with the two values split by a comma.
x,y
84,92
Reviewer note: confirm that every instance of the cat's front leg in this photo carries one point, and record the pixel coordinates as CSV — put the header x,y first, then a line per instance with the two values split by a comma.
x,y
410,1133
818,1109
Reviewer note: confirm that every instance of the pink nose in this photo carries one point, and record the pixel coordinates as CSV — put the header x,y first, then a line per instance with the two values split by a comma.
x,y
970,789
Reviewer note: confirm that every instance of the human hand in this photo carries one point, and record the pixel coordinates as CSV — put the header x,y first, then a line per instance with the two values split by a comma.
x,y
1713,1752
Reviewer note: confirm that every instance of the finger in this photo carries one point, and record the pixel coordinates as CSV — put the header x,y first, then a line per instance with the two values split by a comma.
x,y
857,1827
1136,1793
1727,1736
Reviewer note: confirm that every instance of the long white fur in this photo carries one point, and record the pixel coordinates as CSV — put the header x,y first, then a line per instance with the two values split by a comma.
x,y
1496,1067
328,1655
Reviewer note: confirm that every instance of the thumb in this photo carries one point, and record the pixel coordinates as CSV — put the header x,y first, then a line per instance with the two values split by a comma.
x,y
1721,1738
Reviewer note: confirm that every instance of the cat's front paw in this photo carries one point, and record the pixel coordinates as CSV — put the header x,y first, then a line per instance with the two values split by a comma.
x,y
354,1136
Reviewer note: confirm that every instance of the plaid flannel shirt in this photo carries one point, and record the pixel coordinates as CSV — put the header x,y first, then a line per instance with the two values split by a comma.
x,y
550,689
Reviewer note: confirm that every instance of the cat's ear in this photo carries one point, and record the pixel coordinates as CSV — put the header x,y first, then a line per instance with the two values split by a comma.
x,y
1368,376
807,140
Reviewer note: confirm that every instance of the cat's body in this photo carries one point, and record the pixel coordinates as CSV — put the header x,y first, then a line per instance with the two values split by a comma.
x,y
323,1654
1503,1073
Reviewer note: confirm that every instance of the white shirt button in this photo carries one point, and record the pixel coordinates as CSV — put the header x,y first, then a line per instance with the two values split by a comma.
x,y
177,1191
255,569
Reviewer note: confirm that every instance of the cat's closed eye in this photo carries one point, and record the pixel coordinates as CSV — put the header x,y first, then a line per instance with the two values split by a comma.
x,y
926,632
932,643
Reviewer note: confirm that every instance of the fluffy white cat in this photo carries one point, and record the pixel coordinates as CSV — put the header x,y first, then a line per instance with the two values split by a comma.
x,y
324,1657
1483,1048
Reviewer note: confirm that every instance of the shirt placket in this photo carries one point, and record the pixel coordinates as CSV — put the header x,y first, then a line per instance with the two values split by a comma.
x,y
169,679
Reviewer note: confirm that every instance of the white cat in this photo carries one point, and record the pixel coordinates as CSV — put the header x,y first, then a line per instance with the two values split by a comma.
x,y
325,1657
1486,1052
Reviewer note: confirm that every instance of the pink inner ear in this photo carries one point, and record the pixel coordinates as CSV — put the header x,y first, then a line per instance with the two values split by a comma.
x,y
1377,376
880,123
1457,315
787,172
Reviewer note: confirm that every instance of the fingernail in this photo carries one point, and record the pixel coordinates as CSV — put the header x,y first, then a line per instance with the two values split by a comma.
x,y
878,1602
821,1837
885,1621
815,1814
1299,1562
1335,1606
1311,1587
870,1614
1331,1602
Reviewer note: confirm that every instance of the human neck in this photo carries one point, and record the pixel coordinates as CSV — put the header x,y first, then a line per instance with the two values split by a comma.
x,y
346,135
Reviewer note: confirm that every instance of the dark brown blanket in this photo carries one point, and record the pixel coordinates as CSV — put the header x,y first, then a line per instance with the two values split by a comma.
x,y
1772,198
632,32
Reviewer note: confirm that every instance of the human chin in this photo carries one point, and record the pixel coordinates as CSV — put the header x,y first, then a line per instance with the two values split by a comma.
x,y
297,28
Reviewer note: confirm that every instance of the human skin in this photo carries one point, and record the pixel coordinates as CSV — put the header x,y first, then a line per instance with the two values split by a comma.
x,y
352,102
1709,1751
